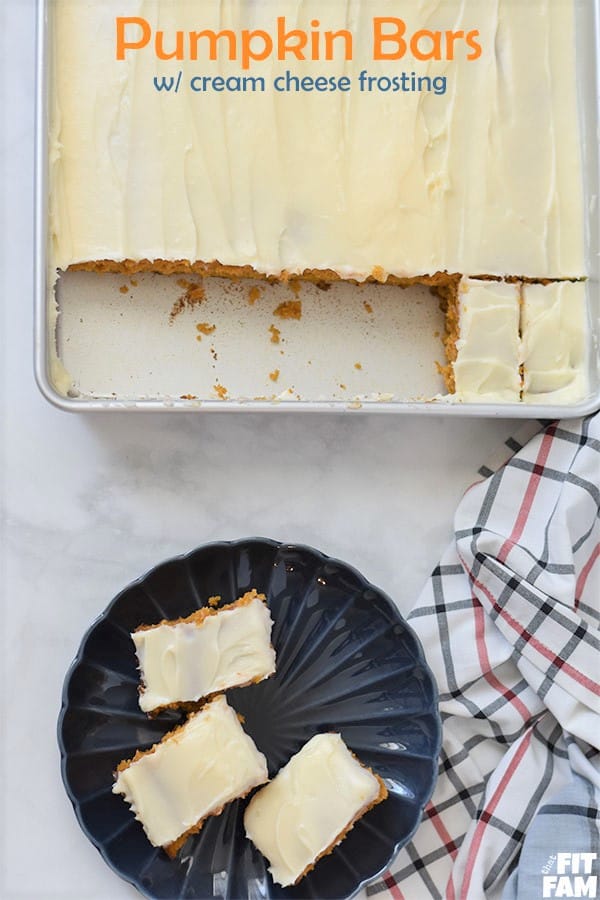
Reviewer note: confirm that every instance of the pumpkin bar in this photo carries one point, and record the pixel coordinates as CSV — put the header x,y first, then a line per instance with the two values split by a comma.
x,y
192,773
186,660
310,806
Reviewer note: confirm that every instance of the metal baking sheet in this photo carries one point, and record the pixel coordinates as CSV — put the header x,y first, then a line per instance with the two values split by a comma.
x,y
147,343
152,338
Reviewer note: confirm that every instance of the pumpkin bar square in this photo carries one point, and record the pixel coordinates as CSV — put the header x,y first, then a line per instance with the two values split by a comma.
x,y
186,660
310,806
191,774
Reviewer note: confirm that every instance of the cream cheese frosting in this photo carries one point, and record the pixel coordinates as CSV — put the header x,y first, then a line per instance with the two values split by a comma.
x,y
186,660
484,179
192,774
489,345
309,805
555,343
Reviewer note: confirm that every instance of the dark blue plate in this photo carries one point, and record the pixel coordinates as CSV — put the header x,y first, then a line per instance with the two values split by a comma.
x,y
346,662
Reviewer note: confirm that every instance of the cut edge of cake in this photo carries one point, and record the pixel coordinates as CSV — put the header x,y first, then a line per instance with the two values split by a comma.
x,y
216,269
204,612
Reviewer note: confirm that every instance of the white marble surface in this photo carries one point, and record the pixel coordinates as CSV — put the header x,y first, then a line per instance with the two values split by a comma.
x,y
91,503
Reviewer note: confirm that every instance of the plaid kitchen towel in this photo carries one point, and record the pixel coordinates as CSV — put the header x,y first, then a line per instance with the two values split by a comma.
x,y
509,621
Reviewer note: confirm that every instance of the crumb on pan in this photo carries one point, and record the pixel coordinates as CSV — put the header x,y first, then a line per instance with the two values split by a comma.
x,y
204,328
193,295
253,295
289,309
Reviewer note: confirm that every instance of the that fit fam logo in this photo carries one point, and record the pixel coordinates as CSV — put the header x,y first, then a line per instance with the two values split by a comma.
x,y
570,875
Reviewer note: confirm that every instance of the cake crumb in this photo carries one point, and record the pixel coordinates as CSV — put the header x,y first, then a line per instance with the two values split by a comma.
x,y
275,334
193,296
204,328
368,306
274,375
343,387
289,309
221,391
241,718
134,282
378,274
358,365
214,601
188,397
253,295
124,289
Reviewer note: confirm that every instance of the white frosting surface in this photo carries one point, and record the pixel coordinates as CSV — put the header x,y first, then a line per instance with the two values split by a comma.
x,y
483,179
210,762
555,341
489,347
308,804
188,661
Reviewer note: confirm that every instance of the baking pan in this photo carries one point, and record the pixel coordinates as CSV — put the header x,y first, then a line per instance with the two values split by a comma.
x,y
143,343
